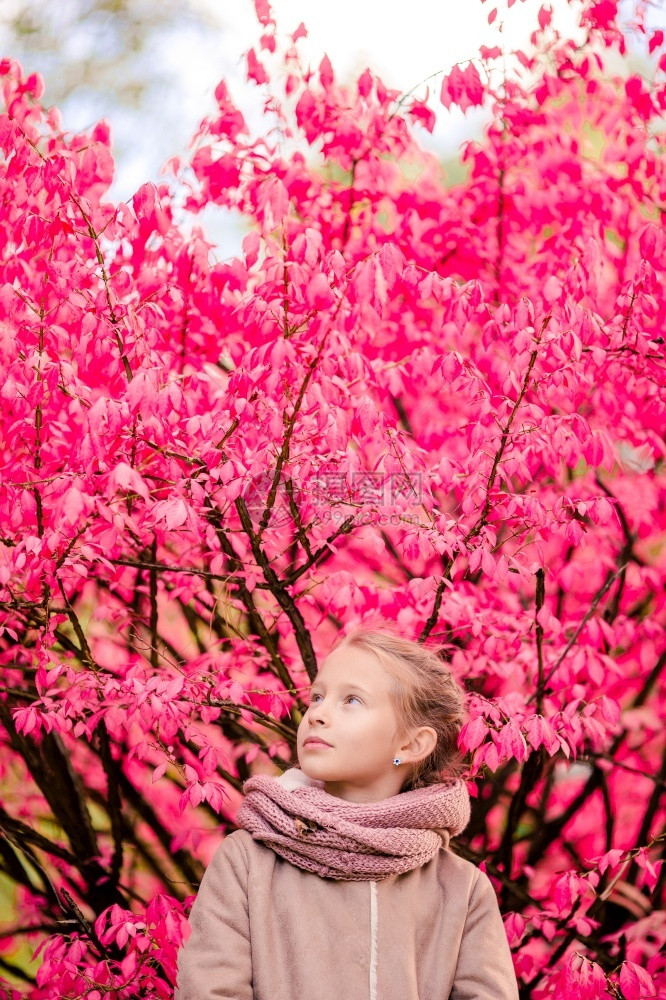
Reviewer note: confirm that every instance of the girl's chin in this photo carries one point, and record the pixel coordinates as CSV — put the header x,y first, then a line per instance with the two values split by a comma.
x,y
315,769
308,767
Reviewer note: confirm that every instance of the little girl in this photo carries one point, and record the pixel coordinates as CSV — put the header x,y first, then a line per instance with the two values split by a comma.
x,y
340,884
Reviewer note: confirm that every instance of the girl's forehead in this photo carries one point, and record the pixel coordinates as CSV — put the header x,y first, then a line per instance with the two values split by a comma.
x,y
350,665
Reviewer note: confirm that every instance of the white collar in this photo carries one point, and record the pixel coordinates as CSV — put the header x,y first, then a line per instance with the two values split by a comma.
x,y
295,778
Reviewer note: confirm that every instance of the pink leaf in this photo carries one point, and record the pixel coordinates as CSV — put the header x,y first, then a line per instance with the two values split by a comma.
x,y
392,262
421,113
326,73
255,69
636,983
236,692
364,84
473,733
464,89
610,710
176,514
263,11
656,40
319,294
73,505
159,771
124,477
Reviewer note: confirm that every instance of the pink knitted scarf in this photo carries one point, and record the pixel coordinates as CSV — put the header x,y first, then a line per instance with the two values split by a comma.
x,y
352,840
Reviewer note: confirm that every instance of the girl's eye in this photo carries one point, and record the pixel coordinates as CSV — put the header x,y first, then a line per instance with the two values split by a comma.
x,y
316,698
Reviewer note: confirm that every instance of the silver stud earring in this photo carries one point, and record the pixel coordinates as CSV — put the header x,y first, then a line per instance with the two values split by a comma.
x,y
397,761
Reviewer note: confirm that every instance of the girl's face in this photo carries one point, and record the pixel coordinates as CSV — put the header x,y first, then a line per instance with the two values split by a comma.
x,y
350,733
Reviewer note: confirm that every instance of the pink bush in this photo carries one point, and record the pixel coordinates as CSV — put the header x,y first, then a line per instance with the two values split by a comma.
x,y
438,405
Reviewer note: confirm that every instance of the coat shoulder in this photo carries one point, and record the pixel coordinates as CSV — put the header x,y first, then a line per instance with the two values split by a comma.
x,y
451,867
243,851
237,844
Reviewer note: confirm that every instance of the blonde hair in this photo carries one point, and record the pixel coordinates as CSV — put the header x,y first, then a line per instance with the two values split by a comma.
x,y
425,693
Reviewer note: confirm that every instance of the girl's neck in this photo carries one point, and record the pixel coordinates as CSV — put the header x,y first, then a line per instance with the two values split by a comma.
x,y
382,789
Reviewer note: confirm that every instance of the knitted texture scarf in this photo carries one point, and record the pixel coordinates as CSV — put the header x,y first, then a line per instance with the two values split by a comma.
x,y
355,841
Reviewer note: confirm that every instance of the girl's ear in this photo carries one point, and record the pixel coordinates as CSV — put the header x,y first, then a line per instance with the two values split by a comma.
x,y
421,744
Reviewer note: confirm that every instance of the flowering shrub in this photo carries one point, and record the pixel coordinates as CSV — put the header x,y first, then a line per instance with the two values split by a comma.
x,y
439,405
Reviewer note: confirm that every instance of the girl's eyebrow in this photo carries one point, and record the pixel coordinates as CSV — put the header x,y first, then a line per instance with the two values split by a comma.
x,y
350,687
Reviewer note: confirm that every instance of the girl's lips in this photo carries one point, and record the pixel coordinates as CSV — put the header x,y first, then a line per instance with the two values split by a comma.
x,y
315,741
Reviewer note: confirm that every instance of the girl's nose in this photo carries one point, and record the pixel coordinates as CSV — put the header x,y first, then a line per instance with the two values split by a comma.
x,y
316,713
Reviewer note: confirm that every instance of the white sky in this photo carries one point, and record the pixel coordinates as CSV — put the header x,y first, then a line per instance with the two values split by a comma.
x,y
403,41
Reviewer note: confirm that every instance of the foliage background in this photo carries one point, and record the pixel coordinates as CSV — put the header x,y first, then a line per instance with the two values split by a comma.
x,y
442,405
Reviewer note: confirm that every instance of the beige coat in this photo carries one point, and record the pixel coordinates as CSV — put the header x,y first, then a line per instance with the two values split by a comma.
x,y
263,929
